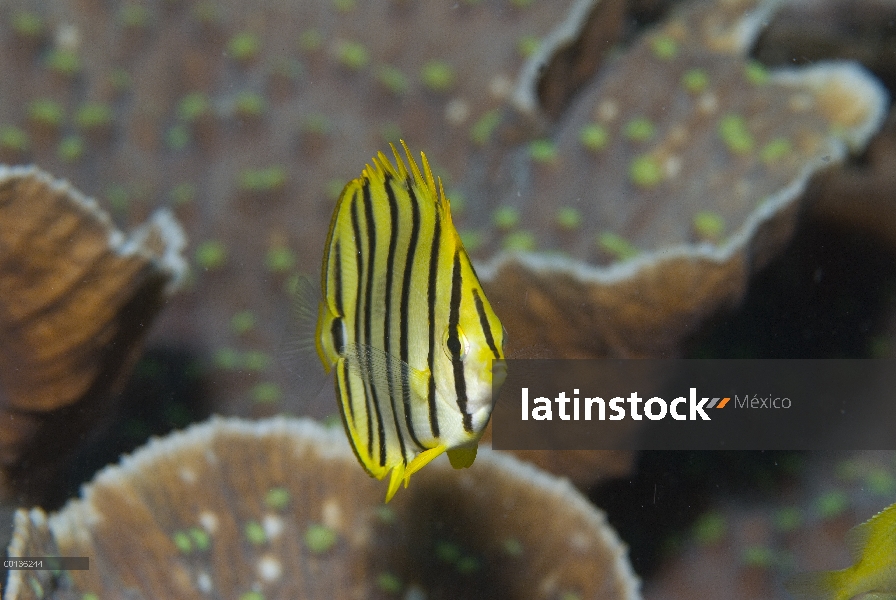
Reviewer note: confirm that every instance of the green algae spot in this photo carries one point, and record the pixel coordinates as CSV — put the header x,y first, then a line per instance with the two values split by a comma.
x,y
570,596
242,322
90,596
506,217
244,46
664,47
388,583
734,133
352,55
63,62
211,255
880,481
177,137
482,130
27,24
542,151
71,148
457,199
120,80
255,533
831,504
182,542
512,547
268,179
761,557
528,45
93,115
118,196
182,193
344,5
709,225
280,259
277,498
787,519
200,538
710,528
756,73
522,241
775,150
568,218
616,245
256,360
467,565
695,80
266,392
639,129
310,40
393,79
332,422
447,552
226,359
14,139
391,132
250,104
316,124
437,75
522,3
193,106
252,596
47,112
594,137
334,188
385,514
645,171
471,239
134,15
320,538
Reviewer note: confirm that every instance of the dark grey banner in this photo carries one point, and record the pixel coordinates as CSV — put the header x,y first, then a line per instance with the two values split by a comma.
x,y
47,563
625,404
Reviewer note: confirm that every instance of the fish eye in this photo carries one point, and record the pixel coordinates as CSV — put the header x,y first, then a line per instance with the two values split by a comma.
x,y
456,346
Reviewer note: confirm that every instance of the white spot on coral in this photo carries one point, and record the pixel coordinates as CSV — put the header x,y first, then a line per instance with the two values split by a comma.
x,y
361,536
209,521
799,102
500,86
331,514
607,111
415,592
708,103
67,37
211,458
187,475
548,585
672,166
456,111
204,582
269,568
273,526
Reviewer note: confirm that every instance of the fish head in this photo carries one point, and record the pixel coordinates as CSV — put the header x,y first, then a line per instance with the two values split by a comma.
x,y
482,340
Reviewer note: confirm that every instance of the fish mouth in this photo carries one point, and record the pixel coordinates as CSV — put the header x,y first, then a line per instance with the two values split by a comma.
x,y
499,374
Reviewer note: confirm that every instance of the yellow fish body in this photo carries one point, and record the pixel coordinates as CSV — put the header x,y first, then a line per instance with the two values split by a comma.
x,y
404,324
873,545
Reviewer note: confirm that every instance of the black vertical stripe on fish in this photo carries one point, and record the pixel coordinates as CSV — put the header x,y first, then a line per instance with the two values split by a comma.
x,y
368,317
359,261
387,320
454,346
431,301
403,311
483,322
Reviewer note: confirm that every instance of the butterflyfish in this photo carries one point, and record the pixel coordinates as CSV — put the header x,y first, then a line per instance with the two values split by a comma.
x,y
404,324
873,573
